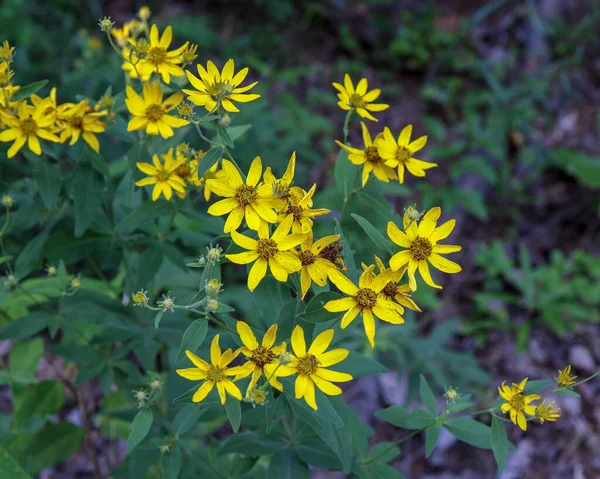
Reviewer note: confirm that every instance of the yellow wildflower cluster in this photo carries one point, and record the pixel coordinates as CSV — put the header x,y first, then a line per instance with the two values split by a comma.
x,y
271,361
387,157
29,120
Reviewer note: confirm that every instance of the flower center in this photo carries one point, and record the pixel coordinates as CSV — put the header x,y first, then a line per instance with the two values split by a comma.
x,y
215,374
331,252
183,171
163,175
517,402
421,248
245,194
403,154
390,290
156,55
155,112
372,154
262,356
356,101
366,298
266,248
296,211
219,90
308,365
28,126
76,122
306,258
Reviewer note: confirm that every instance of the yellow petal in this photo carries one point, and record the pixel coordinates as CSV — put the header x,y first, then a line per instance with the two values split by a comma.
x,y
298,342
246,335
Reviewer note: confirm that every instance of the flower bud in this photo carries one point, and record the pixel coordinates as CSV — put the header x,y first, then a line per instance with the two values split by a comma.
x,y
106,24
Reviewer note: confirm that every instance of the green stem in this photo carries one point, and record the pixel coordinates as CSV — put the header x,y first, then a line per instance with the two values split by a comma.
x,y
393,445
346,123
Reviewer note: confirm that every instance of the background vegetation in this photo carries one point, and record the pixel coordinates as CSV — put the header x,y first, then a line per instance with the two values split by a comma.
x,y
508,93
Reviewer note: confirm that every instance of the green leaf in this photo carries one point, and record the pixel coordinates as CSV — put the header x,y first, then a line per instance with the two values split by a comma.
x,y
376,237
427,395
274,410
146,213
534,387
187,418
470,431
287,465
158,318
28,90
236,132
88,191
10,468
315,312
24,360
359,365
49,181
233,408
383,452
222,132
346,175
432,434
46,397
193,337
251,443
324,429
208,160
53,444
140,427
30,257
170,463
568,392
27,325
400,417
499,442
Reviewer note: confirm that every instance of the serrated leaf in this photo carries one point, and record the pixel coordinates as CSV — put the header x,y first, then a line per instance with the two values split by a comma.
x,y
193,337
140,427
377,238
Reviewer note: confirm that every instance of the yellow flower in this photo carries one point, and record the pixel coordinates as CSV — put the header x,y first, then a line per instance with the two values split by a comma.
x,y
163,177
393,291
6,93
517,403
159,59
302,214
544,412
314,267
359,99
81,120
365,299
311,366
282,187
140,298
49,105
144,13
369,157
214,374
243,200
421,246
7,201
273,252
565,379
213,88
75,283
121,35
189,54
150,112
6,74
400,153
6,52
262,358
29,124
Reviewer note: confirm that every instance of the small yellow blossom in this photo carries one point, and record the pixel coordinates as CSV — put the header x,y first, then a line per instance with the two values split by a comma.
x,y
75,283
451,394
151,112
144,13
6,74
276,252
243,200
6,52
364,299
214,88
214,374
140,298
258,397
310,366
394,291
81,120
212,287
314,267
122,35
359,99
565,379
400,153
162,176
420,243
51,270
302,213
369,157
517,403
544,412
262,358
283,189
28,125
7,201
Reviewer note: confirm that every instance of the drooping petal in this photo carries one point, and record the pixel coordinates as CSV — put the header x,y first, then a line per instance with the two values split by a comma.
x,y
203,391
257,273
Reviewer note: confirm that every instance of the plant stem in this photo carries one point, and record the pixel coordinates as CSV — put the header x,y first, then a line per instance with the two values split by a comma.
x,y
346,123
